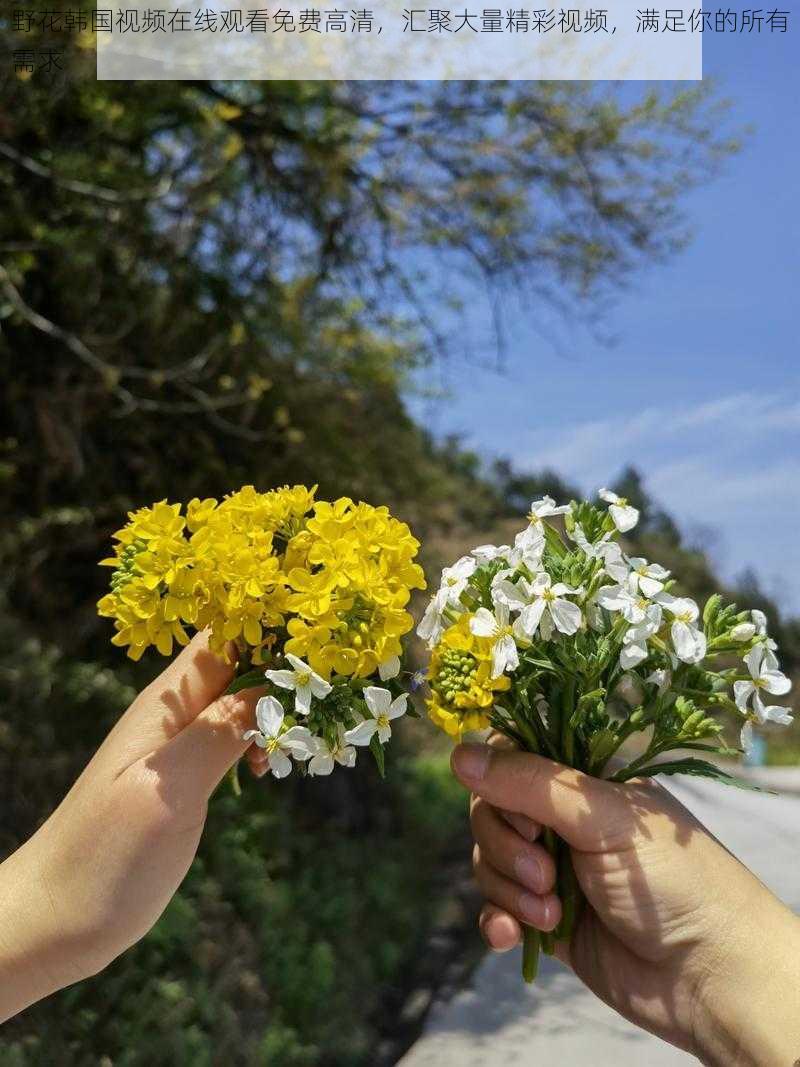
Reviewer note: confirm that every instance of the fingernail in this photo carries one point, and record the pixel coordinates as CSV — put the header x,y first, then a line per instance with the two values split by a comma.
x,y
524,826
529,871
530,906
470,761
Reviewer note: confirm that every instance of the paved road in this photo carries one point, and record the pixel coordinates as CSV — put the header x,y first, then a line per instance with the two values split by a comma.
x,y
500,1022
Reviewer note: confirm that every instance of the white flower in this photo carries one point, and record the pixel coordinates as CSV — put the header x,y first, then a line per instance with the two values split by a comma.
x,y
487,553
625,599
390,668
297,741
649,577
322,762
431,625
688,640
743,631
533,536
549,610
633,653
763,675
625,517
634,641
608,551
305,683
526,551
760,622
382,710
497,627
456,578
772,713
515,595
660,678
454,581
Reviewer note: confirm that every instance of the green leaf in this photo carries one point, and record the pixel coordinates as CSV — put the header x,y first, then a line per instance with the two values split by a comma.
x,y
247,681
701,747
697,767
376,748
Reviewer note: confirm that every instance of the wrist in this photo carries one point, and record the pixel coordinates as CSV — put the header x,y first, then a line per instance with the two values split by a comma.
x,y
749,1012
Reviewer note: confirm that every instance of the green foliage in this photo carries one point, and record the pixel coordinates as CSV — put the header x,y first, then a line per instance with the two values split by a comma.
x,y
695,767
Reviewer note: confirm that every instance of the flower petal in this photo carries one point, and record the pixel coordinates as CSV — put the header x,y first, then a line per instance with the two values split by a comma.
x,y
650,586
346,756
279,763
689,643
390,668
299,665
741,694
378,700
566,616
319,687
625,518
530,617
632,654
483,623
398,706
269,716
283,679
321,764
299,741
302,699
775,682
505,656
361,734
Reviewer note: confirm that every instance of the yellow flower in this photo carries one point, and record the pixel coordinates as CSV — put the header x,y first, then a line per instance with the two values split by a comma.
x,y
351,576
460,676
335,578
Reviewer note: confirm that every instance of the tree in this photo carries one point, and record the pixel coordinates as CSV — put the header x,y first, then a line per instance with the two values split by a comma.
x,y
204,285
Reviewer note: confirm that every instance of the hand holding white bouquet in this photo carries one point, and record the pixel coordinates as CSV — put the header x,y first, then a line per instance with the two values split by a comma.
x,y
570,648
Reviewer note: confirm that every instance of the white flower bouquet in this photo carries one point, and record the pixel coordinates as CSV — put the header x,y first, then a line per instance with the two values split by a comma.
x,y
572,648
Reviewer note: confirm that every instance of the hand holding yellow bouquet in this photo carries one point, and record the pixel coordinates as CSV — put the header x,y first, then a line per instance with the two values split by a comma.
x,y
317,592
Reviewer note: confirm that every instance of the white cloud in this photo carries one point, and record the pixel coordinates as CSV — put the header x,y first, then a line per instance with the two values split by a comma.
x,y
732,463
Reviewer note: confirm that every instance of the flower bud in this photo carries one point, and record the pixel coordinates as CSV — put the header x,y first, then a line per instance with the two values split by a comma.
x,y
743,631
630,689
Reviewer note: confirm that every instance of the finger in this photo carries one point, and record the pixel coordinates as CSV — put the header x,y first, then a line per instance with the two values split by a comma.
x,y
190,683
499,930
586,812
525,827
187,686
541,911
257,761
498,740
507,852
193,763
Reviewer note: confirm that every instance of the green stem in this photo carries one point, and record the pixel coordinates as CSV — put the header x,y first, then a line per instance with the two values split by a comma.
x,y
570,893
567,731
531,944
233,779
550,842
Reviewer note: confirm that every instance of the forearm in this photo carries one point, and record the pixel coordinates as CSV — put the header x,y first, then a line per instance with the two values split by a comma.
x,y
751,1014
35,958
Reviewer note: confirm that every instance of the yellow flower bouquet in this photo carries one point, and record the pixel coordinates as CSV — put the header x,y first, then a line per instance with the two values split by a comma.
x,y
307,597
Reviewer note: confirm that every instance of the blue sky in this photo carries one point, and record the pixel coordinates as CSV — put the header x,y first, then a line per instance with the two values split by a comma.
x,y
701,387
